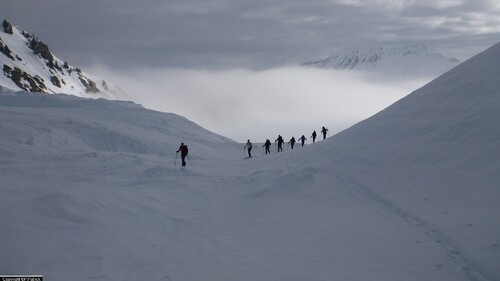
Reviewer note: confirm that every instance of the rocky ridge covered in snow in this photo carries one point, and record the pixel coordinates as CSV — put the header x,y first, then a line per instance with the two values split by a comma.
x,y
28,64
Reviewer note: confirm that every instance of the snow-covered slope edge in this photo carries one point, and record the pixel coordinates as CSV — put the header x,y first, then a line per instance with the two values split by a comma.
x,y
436,153
65,122
27,64
412,61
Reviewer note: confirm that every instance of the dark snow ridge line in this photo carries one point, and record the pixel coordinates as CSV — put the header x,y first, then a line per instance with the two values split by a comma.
x,y
471,268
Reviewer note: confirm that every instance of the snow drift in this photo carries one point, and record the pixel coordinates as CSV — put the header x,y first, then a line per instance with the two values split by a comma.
x,y
71,123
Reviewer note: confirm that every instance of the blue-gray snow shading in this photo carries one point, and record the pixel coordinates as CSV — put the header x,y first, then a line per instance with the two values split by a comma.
x,y
65,122
436,154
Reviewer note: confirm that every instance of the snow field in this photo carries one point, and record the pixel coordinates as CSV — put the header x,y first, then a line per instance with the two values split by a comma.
x,y
96,198
103,218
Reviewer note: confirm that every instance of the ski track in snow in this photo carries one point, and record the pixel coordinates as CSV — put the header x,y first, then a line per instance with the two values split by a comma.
x,y
456,254
212,214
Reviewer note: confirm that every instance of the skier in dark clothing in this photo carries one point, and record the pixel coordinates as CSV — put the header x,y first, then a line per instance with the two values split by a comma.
x,y
267,144
313,136
292,142
248,146
324,130
302,140
184,152
280,143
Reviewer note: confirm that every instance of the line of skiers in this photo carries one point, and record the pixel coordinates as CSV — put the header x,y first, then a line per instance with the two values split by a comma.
x,y
184,149
280,142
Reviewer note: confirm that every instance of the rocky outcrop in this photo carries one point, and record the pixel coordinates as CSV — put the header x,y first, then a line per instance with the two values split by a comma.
x,y
24,80
28,64
40,49
4,49
7,27
55,81
90,86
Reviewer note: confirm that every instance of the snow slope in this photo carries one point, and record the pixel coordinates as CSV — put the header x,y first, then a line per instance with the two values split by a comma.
x,y
28,64
89,190
436,153
76,124
412,61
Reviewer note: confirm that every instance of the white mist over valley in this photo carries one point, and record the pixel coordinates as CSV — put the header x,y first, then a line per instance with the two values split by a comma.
x,y
243,104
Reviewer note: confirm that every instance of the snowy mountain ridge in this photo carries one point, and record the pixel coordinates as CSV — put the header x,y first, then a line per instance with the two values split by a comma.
x,y
28,64
409,61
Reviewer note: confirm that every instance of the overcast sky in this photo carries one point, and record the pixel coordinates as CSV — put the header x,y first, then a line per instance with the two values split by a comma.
x,y
229,65
248,33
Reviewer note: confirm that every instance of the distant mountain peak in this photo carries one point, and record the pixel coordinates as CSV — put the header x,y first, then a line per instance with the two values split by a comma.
x,y
415,60
28,64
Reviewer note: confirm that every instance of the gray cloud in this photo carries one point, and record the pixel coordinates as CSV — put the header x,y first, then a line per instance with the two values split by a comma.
x,y
199,58
261,33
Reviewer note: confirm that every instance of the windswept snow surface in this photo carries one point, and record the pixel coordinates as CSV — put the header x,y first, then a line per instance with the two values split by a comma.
x,y
89,190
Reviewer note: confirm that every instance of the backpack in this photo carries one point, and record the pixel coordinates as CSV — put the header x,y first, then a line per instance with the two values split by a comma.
x,y
184,149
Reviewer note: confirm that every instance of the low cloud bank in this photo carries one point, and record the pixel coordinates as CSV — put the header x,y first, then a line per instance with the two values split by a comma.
x,y
244,104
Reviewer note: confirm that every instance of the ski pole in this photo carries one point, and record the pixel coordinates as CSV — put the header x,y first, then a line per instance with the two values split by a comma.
x,y
189,160
175,163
